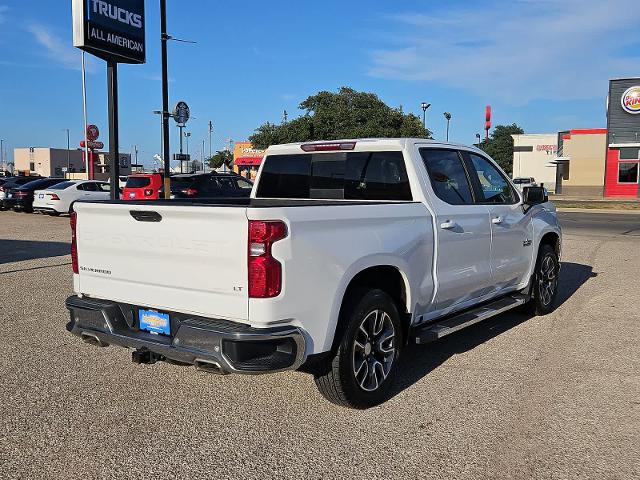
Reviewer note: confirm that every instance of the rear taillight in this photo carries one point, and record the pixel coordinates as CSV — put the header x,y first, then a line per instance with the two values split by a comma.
x,y
148,192
190,192
73,220
265,272
53,196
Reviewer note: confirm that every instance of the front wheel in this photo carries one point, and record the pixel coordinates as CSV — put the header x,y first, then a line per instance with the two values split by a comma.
x,y
545,281
363,368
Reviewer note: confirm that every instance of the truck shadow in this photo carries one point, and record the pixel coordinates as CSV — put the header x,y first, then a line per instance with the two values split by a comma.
x,y
419,360
19,250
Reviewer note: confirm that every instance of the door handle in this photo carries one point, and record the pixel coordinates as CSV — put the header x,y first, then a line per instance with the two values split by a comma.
x,y
496,220
447,225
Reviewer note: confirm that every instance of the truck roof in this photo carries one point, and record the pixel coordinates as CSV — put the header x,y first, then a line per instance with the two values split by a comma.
x,y
365,144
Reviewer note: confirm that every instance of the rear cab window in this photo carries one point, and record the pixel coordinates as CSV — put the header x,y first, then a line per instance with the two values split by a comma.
x,y
335,175
138,182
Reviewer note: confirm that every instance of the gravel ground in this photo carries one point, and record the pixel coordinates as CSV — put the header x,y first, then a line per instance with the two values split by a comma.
x,y
553,397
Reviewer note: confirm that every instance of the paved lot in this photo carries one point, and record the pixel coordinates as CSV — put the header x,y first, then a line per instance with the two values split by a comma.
x,y
515,397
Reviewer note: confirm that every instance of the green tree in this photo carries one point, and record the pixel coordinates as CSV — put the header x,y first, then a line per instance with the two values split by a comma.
x,y
345,114
500,145
216,160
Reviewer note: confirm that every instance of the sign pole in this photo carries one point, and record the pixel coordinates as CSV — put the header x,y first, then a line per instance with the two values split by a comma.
x,y
114,160
165,99
88,168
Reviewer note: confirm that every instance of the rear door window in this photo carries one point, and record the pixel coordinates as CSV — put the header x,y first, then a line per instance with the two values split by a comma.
x,y
448,176
340,175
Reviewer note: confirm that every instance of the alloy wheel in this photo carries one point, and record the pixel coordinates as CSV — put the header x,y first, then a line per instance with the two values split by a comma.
x,y
373,350
547,279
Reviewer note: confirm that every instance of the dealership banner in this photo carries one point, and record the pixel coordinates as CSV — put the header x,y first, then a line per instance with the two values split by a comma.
x,y
113,30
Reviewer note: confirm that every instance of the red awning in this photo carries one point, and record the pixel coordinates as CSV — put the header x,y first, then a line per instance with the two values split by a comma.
x,y
248,161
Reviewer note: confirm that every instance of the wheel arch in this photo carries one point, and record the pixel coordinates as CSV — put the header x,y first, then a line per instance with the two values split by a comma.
x,y
387,277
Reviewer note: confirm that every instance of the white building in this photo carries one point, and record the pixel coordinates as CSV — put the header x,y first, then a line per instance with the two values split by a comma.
x,y
533,154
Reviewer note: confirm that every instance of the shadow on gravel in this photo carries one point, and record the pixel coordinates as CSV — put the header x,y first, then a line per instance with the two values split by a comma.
x,y
419,360
19,250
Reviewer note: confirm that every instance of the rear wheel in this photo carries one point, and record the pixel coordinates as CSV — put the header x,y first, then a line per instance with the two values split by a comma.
x,y
545,281
363,368
54,214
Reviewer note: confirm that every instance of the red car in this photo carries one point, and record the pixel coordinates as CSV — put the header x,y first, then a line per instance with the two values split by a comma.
x,y
142,186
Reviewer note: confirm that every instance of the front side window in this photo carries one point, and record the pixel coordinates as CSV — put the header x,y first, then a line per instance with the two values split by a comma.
x,y
494,186
104,187
628,172
447,174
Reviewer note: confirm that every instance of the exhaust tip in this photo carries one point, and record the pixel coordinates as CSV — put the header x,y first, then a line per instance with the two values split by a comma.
x,y
92,339
209,366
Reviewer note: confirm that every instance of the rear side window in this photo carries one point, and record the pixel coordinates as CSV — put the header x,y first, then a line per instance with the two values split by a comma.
x,y
138,182
448,177
340,175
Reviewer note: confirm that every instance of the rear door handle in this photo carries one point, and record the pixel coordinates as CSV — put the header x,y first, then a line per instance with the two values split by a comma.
x,y
447,225
145,215
496,220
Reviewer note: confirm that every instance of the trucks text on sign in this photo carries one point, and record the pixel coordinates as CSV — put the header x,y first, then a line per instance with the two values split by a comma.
x,y
113,30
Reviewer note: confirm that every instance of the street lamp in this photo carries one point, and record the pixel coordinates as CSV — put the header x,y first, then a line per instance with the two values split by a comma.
x,y
447,115
478,138
424,106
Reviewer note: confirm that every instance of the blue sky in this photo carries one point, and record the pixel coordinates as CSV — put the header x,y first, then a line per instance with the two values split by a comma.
x,y
543,64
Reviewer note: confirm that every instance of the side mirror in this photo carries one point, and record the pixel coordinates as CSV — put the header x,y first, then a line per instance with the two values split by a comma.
x,y
534,196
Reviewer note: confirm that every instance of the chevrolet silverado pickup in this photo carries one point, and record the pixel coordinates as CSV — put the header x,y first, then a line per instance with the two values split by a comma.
x,y
346,252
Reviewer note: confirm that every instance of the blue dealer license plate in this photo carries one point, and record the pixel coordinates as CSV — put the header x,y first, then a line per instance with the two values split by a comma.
x,y
154,322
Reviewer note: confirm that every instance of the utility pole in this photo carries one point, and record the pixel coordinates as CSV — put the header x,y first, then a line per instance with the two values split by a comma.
x,y
135,150
2,155
202,157
68,154
165,99
210,133
285,116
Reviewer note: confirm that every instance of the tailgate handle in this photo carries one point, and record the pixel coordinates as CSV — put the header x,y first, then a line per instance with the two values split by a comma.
x,y
145,215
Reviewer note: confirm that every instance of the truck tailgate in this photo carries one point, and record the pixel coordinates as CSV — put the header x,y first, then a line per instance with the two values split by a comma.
x,y
189,259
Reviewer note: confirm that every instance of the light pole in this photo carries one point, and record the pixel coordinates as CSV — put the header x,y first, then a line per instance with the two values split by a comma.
x,y
478,138
447,115
2,154
187,135
68,153
424,106
210,133
202,157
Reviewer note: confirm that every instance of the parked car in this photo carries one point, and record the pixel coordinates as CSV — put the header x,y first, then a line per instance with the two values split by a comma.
x,y
209,185
13,182
346,252
142,186
521,182
60,197
22,196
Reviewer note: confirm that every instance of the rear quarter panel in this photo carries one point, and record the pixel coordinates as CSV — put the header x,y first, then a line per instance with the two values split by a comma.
x,y
328,246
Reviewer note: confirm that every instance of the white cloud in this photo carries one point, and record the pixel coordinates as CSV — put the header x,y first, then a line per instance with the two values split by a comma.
x,y
62,52
516,51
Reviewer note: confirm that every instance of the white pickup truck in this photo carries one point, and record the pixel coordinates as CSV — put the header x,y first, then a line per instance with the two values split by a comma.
x,y
346,251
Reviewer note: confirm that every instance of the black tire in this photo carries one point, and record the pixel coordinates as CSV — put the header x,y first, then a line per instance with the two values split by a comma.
x,y
544,282
54,214
361,376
